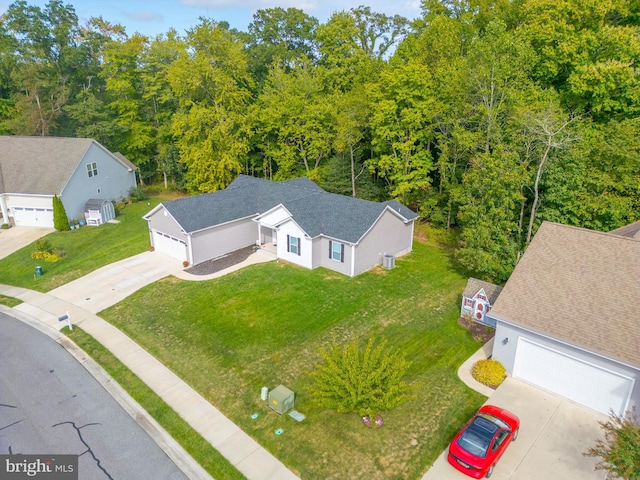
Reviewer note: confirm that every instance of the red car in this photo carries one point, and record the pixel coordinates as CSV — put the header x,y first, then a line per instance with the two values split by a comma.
x,y
479,445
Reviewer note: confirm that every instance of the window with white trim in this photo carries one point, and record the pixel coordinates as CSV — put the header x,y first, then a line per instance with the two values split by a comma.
x,y
293,245
336,251
92,169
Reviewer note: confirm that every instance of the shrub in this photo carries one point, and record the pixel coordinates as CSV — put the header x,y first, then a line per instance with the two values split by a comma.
x,y
362,382
46,256
137,193
620,446
489,372
43,245
5,226
60,222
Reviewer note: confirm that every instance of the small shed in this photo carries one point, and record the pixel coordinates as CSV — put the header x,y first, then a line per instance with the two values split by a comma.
x,y
97,211
281,399
478,298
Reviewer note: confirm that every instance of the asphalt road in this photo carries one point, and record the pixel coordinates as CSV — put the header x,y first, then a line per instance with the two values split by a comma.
x,y
49,404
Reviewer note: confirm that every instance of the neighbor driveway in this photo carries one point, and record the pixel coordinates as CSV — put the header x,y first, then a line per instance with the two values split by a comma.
x,y
554,433
15,238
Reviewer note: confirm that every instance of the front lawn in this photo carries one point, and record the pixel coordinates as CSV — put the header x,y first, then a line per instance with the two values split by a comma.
x,y
262,326
85,249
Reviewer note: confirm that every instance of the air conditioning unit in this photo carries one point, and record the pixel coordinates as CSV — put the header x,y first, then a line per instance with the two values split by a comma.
x,y
388,261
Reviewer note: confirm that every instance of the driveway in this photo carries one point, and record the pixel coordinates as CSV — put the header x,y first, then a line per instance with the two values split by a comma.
x,y
15,238
112,283
554,433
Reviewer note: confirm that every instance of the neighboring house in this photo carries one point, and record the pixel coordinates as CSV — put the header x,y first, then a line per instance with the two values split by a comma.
x,y
303,223
478,298
568,318
34,169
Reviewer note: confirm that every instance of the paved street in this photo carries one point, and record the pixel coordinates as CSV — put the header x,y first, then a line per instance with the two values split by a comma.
x,y
50,404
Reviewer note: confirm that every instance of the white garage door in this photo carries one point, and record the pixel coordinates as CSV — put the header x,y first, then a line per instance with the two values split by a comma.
x,y
169,245
33,216
570,377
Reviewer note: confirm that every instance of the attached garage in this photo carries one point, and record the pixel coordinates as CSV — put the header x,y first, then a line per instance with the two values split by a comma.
x,y
172,246
583,382
33,217
567,318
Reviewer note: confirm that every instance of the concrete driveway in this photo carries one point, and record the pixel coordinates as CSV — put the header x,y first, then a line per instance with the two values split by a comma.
x,y
554,433
15,238
112,283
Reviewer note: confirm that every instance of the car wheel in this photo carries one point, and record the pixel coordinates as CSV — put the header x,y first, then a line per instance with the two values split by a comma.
x,y
490,471
515,434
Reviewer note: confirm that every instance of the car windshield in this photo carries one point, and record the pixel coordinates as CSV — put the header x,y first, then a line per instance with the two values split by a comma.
x,y
477,436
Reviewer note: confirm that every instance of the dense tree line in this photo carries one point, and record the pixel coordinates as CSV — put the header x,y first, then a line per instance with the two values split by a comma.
x,y
484,115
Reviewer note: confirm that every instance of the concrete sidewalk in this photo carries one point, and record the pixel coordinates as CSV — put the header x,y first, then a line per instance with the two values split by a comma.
x,y
240,449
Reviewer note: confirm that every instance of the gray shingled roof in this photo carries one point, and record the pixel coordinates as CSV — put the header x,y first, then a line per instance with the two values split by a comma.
x,y
632,230
579,286
39,165
315,210
474,285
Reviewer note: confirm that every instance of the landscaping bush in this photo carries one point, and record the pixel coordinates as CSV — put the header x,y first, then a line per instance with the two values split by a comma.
x,y
60,222
5,226
361,382
489,372
43,245
46,256
138,193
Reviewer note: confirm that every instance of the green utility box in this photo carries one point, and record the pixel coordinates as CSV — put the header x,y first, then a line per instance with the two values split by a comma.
x,y
281,399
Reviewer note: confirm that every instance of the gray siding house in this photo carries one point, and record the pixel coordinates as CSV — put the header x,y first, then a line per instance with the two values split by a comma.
x,y
568,318
303,223
34,169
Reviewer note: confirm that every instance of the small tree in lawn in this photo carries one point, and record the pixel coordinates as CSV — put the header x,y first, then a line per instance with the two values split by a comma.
x,y
364,382
60,221
620,448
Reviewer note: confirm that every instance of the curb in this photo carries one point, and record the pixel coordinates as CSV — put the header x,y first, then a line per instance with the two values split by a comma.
x,y
172,449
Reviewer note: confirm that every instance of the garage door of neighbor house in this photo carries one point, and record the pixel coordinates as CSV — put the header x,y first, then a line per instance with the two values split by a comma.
x,y
580,381
169,245
33,216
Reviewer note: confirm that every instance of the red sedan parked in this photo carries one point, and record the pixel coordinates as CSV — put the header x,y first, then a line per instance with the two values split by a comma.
x,y
480,444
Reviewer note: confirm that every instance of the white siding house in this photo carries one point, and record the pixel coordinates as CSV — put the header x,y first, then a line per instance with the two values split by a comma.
x,y
307,225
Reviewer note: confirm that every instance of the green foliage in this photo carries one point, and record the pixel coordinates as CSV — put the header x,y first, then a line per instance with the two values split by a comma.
x,y
620,448
43,245
60,220
46,256
489,372
364,382
139,193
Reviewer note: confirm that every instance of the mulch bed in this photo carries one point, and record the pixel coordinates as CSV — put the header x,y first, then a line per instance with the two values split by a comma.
x,y
216,264
480,332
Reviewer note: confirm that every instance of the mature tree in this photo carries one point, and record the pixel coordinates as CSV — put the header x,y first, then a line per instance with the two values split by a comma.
x,y
212,85
351,127
122,71
45,43
295,121
280,36
161,103
402,106
490,202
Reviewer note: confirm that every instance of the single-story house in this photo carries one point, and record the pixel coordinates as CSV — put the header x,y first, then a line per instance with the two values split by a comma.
x,y
303,223
478,298
34,169
568,318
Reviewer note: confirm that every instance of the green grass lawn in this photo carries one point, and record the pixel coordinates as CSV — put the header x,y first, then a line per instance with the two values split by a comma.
x,y
263,325
86,249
